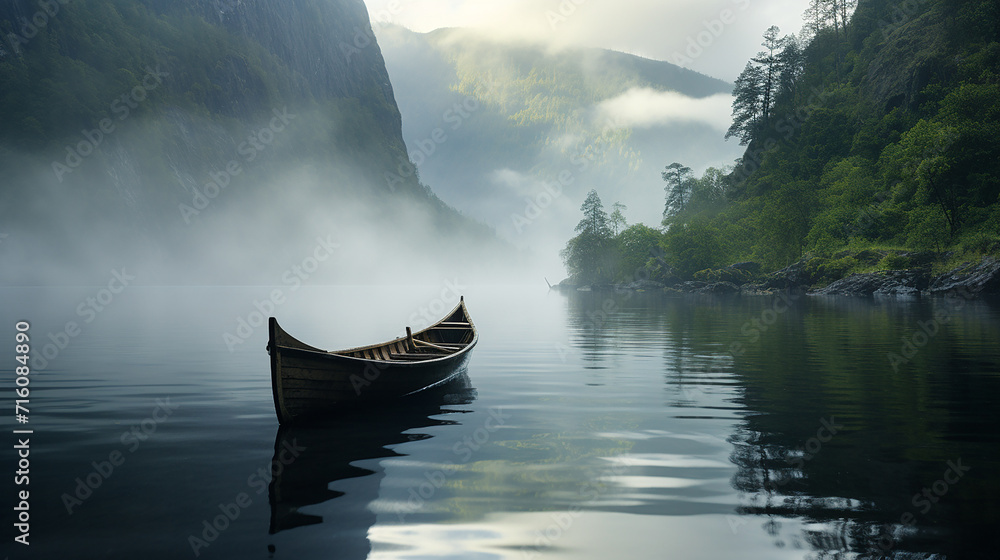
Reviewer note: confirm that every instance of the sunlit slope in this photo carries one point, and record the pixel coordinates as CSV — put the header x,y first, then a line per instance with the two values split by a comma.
x,y
515,115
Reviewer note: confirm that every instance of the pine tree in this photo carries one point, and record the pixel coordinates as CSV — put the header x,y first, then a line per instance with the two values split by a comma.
x,y
748,94
595,219
771,73
823,14
618,222
791,63
770,67
846,9
679,183
588,256
815,20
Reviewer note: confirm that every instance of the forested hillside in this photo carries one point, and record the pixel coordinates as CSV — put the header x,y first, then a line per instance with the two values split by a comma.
x,y
519,114
880,131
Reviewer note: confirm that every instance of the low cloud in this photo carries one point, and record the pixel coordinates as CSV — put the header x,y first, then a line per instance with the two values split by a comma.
x,y
646,108
651,28
515,182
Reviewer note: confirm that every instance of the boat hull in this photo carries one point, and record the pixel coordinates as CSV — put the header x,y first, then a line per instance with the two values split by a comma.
x,y
309,382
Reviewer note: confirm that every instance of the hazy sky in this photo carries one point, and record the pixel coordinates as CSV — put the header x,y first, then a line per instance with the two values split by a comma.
x,y
714,37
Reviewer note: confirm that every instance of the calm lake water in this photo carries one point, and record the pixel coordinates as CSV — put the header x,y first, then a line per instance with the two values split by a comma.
x,y
589,425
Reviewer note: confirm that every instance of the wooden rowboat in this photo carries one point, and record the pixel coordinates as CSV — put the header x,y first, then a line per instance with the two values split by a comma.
x,y
307,381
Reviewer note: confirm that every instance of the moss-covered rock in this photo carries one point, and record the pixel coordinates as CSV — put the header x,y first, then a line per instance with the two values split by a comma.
x,y
730,275
895,261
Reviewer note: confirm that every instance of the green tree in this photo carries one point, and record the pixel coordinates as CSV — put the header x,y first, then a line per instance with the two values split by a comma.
x,y
785,220
709,191
589,257
770,65
618,222
748,98
927,170
850,163
678,189
595,220
814,19
822,14
791,62
636,245
693,246
770,74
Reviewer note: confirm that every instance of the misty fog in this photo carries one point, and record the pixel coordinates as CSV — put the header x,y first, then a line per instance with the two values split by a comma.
x,y
528,180
181,198
256,230
230,160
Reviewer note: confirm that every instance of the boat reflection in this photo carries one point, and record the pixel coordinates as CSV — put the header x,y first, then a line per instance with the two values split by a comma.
x,y
308,458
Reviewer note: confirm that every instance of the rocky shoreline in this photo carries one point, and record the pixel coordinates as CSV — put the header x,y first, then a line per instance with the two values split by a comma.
x,y
971,279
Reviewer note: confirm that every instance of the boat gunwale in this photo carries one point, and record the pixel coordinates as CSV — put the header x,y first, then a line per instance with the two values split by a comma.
x,y
341,354
337,356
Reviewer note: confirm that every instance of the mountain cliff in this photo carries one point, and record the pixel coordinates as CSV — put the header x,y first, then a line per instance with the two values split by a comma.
x,y
148,126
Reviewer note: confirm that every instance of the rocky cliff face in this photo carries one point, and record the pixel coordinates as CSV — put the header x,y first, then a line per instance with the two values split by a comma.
x,y
140,118
225,62
328,46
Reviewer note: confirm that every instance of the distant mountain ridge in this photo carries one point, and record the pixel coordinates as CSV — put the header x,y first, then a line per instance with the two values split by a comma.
x,y
538,114
602,65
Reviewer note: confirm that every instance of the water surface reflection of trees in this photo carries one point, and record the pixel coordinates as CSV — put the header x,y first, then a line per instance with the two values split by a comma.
x,y
883,458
